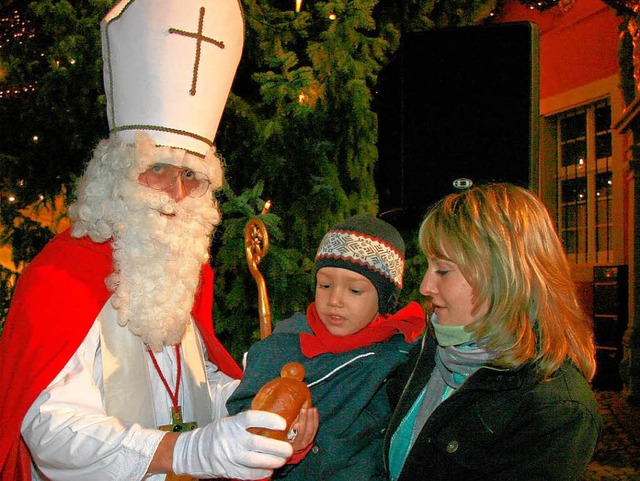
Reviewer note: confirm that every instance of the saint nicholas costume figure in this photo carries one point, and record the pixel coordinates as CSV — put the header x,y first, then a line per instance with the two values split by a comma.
x,y
109,342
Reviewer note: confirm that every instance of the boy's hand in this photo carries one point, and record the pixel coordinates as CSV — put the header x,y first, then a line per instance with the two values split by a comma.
x,y
305,428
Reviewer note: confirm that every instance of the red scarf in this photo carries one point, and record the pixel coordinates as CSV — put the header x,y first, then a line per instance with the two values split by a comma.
x,y
409,321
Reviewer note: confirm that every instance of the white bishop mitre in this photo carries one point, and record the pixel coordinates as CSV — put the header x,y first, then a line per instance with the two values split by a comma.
x,y
168,68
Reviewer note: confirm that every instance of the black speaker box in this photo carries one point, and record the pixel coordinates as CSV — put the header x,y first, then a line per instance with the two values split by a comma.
x,y
455,107
610,304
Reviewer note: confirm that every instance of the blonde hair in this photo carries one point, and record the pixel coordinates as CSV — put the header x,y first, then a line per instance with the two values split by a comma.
x,y
503,240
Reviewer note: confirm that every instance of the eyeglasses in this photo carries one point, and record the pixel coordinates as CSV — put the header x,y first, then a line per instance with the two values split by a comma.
x,y
162,176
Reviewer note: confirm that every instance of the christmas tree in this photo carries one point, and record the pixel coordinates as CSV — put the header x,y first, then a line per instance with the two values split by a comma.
x,y
299,129
51,115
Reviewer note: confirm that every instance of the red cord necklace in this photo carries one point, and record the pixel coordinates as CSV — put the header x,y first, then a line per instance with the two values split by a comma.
x,y
177,424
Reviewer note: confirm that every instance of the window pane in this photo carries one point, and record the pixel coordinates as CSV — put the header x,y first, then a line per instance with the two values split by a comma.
x,y
604,184
573,126
603,118
569,240
582,242
603,213
602,239
574,216
575,242
581,215
570,216
574,153
574,190
603,145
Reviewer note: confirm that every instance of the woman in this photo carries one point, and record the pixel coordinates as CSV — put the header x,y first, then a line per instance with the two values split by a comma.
x,y
500,389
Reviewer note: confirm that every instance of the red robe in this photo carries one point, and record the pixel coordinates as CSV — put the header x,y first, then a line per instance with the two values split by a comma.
x,y
56,301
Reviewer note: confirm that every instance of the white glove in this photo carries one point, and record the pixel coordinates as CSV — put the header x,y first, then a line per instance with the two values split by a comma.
x,y
225,449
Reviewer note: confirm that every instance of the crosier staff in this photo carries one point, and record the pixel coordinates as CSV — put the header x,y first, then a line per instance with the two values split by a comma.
x,y
256,246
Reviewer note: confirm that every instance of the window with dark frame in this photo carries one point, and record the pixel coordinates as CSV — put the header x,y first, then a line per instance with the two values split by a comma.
x,y
585,182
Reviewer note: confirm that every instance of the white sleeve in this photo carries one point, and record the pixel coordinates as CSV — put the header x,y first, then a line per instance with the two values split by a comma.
x,y
71,437
222,386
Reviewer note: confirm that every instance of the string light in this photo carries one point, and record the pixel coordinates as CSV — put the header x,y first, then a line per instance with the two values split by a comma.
x,y
12,91
308,98
15,30
540,5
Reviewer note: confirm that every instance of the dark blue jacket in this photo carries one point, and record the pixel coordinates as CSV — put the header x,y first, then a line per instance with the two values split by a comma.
x,y
501,425
348,390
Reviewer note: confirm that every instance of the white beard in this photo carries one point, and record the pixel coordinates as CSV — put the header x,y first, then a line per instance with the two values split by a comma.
x,y
157,261
157,258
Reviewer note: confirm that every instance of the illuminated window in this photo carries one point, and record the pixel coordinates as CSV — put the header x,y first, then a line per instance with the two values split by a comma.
x,y
585,182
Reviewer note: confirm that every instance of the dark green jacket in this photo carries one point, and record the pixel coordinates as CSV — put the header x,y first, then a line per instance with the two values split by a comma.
x,y
348,390
500,425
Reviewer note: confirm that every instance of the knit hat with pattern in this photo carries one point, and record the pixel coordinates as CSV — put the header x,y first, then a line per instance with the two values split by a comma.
x,y
371,247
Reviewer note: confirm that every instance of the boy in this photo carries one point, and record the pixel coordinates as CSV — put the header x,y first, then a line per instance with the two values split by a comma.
x,y
349,343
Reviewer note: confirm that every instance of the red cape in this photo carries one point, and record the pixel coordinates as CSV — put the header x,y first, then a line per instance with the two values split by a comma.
x,y
56,301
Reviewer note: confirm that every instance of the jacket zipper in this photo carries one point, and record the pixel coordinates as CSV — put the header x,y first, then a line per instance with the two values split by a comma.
x,y
404,391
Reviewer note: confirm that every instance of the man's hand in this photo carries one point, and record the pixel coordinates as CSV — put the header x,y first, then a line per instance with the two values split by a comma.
x,y
225,449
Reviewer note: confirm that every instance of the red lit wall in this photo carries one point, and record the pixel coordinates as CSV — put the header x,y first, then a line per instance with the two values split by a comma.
x,y
577,46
